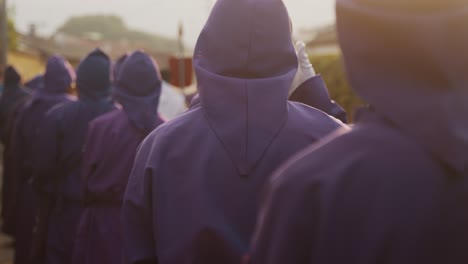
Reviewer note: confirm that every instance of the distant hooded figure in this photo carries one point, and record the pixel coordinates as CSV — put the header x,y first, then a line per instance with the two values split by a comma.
x,y
193,192
23,199
13,97
62,138
394,189
110,149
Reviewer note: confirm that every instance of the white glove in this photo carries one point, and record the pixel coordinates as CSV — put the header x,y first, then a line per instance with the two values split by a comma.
x,y
305,70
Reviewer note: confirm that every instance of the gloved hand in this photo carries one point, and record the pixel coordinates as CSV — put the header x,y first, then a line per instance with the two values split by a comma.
x,y
305,70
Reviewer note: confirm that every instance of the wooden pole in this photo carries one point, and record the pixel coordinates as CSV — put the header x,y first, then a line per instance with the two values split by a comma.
x,y
181,57
3,36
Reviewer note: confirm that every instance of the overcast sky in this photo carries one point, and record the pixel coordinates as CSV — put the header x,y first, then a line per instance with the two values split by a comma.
x,y
156,16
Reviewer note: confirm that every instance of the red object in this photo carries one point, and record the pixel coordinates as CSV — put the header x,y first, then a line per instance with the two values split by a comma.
x,y
174,64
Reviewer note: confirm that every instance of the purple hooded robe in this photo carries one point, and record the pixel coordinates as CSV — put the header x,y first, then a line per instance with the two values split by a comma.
x,y
110,149
193,192
312,92
395,188
57,79
13,97
58,172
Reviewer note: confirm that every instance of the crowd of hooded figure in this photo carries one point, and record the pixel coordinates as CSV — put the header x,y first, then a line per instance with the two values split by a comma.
x,y
261,168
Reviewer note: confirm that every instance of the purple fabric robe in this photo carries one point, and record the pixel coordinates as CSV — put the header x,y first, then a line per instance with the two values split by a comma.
x,y
57,79
63,136
111,145
12,99
35,83
193,192
394,189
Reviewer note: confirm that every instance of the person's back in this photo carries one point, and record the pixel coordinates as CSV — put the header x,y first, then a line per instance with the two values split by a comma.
x,y
109,153
11,101
57,80
395,188
62,137
193,193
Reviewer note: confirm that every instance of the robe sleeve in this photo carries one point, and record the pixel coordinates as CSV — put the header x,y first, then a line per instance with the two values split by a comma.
x,y
314,92
137,211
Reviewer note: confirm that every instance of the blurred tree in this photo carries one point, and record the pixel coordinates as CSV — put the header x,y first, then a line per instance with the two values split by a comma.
x,y
333,72
109,26
112,28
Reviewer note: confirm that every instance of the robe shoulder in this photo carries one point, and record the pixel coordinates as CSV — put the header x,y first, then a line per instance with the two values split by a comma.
x,y
312,121
166,134
113,120
57,112
366,152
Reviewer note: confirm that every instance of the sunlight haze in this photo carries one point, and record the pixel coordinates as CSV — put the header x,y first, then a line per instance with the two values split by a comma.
x,y
154,16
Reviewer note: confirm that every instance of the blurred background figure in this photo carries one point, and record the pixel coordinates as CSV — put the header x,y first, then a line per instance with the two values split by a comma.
x,y
172,102
11,100
62,138
192,195
313,91
394,189
110,149
49,90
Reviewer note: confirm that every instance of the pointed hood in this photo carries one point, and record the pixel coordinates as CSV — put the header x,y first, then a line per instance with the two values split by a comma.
x,y
93,77
245,63
12,77
138,90
408,59
58,77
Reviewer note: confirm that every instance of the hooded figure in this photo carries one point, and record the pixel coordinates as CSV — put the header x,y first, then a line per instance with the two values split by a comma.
x,y
111,144
62,138
57,79
395,188
193,192
306,89
13,97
